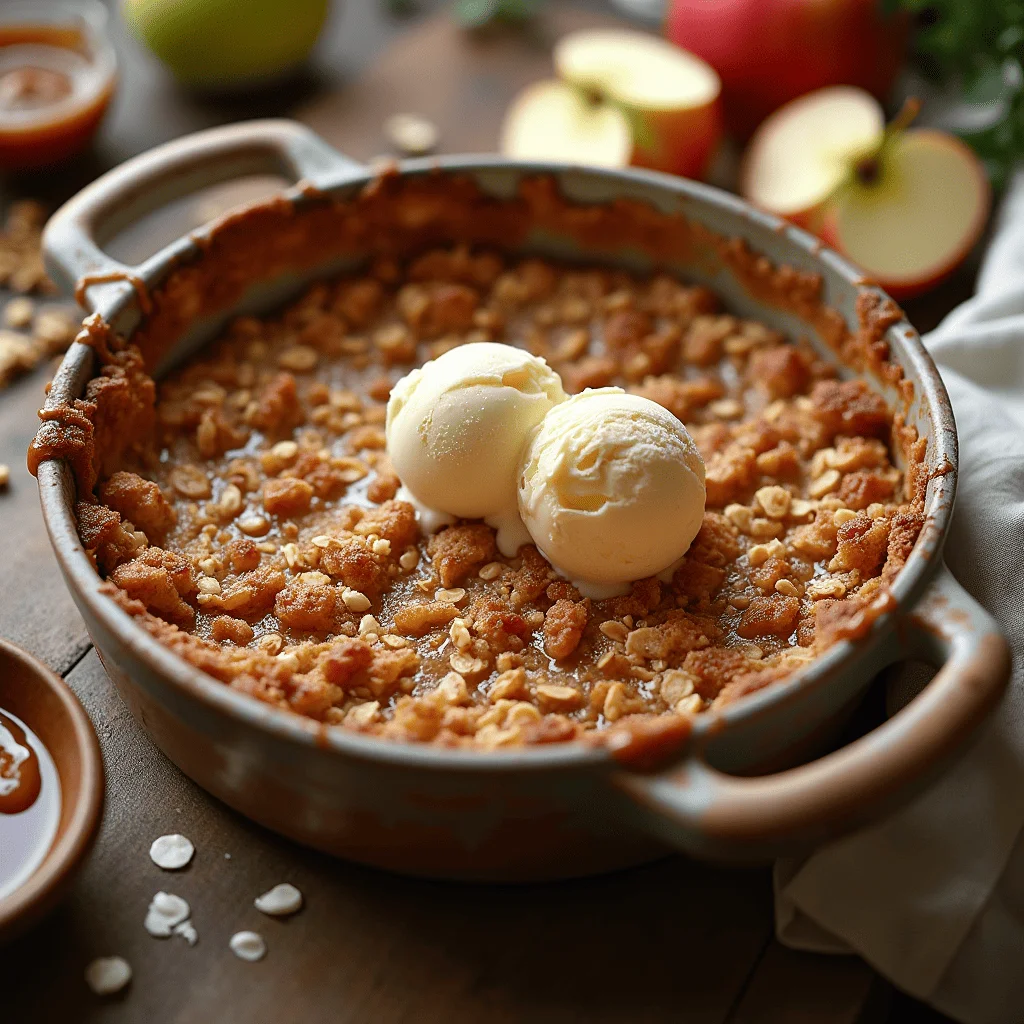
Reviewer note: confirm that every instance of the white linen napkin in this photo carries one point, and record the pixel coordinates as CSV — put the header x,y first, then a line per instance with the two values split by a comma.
x,y
933,896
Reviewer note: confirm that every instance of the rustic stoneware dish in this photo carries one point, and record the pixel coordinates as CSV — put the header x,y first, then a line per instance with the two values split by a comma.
x,y
45,703
564,809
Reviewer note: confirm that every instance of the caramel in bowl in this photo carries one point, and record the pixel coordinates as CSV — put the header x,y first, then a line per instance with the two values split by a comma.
x,y
51,788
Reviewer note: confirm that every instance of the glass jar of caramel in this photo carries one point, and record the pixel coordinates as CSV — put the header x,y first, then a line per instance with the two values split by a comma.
x,y
57,75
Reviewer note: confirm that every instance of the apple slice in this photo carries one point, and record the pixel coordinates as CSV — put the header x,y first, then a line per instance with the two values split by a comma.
x,y
554,121
670,98
803,152
909,217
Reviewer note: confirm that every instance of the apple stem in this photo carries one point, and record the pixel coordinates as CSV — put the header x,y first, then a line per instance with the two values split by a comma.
x,y
868,168
643,135
903,120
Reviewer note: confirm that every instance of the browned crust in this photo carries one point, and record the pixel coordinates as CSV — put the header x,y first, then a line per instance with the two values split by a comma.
x,y
395,216
118,406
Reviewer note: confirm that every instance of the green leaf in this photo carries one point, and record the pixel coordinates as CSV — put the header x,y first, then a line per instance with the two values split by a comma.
x,y
472,13
987,86
1010,39
980,45
517,10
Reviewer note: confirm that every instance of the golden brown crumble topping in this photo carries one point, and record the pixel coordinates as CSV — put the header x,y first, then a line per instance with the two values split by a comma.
x,y
257,534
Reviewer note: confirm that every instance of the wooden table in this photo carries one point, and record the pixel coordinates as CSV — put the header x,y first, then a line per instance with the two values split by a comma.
x,y
672,941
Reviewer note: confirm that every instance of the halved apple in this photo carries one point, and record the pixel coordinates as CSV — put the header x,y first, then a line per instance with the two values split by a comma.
x,y
905,205
554,121
615,81
912,216
803,152
672,98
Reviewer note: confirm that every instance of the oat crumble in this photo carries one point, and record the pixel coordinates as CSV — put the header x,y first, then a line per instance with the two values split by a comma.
x,y
256,531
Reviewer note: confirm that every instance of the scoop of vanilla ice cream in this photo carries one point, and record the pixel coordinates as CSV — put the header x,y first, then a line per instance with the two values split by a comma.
x,y
456,428
611,489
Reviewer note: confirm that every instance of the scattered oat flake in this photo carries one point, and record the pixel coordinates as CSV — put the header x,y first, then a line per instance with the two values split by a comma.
x,y
18,354
411,133
171,852
187,930
19,312
108,974
21,258
166,911
55,328
248,946
282,900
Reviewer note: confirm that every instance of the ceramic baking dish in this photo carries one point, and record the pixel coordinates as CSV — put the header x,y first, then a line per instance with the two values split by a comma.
x,y
538,812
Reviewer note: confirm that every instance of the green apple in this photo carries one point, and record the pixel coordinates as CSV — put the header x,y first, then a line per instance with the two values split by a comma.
x,y
220,43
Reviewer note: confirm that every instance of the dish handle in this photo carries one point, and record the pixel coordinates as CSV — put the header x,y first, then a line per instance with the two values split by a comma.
x,y
74,236
708,813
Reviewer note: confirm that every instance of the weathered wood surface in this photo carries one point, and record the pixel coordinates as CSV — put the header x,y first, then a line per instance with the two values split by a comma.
x,y
460,81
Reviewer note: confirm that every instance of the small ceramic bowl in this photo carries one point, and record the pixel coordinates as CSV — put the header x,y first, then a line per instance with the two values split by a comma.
x,y
45,703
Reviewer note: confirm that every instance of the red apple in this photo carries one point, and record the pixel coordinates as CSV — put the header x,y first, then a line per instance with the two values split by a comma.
x,y
910,217
768,52
671,97
803,152
622,98
550,120
905,205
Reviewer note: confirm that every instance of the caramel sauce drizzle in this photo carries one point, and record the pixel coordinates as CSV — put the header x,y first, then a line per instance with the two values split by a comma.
x,y
20,780
86,281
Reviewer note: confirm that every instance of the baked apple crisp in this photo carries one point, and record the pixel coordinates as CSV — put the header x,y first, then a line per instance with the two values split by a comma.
x,y
255,530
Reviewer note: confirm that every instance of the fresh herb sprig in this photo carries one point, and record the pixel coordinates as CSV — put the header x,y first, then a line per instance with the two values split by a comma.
x,y
475,13
980,45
